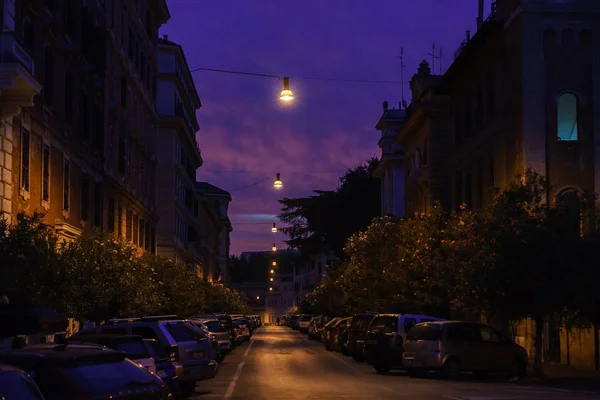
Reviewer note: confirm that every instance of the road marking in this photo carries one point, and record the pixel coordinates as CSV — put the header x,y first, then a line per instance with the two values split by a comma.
x,y
231,387
346,363
249,347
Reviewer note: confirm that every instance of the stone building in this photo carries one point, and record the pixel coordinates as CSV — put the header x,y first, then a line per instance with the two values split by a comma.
x,y
214,228
83,152
178,205
520,94
390,169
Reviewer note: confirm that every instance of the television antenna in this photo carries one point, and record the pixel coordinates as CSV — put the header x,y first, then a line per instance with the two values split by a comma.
x,y
436,57
402,65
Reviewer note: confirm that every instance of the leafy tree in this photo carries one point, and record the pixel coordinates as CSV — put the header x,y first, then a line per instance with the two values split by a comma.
x,y
326,299
28,257
329,218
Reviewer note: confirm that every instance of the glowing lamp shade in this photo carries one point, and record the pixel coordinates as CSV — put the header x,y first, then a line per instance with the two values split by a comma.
x,y
274,228
274,263
257,297
270,289
272,271
286,93
271,279
277,185
274,247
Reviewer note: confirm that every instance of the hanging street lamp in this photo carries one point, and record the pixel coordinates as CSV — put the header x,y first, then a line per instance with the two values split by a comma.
x,y
278,184
272,271
274,228
286,94
274,263
274,248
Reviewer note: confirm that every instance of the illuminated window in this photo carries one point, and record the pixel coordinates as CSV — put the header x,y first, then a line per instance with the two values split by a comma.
x,y
567,117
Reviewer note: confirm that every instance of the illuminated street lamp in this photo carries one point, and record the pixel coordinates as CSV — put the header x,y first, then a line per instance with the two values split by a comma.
x,y
271,279
270,289
274,263
274,247
272,271
278,184
257,297
274,228
286,94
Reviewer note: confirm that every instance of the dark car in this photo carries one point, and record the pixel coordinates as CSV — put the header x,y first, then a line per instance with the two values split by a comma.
x,y
137,348
15,384
357,334
78,372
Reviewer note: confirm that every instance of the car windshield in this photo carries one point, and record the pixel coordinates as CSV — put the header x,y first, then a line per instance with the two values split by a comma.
x,y
15,385
180,333
103,378
214,326
156,349
425,332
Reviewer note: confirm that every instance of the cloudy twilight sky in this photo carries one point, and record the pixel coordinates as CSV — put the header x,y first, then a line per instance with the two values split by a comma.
x,y
246,135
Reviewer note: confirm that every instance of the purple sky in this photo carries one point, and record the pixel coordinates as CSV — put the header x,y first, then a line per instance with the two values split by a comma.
x,y
331,125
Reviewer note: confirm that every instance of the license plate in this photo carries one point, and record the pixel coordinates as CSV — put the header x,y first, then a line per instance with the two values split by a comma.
x,y
198,354
371,341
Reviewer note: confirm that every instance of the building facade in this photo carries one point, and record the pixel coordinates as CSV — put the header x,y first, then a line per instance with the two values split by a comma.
x,y
214,231
178,205
281,299
311,272
521,94
390,169
83,153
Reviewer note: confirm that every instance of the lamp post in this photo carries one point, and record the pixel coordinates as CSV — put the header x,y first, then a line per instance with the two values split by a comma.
x,y
286,94
274,228
278,184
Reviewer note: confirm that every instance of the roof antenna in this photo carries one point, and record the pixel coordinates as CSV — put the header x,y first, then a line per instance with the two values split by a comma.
x,y
436,57
402,65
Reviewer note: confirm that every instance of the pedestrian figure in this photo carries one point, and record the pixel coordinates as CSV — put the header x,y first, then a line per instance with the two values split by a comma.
x,y
277,320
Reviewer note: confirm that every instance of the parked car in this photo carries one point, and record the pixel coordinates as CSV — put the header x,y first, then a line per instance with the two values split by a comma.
x,y
357,334
455,346
145,352
75,372
220,334
294,322
332,333
304,322
384,345
190,347
315,327
16,384
243,332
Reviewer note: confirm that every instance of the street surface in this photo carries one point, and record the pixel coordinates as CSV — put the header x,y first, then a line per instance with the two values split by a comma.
x,y
279,363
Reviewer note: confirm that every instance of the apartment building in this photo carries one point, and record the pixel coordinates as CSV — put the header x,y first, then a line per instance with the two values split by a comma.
x,y
178,205
520,94
83,152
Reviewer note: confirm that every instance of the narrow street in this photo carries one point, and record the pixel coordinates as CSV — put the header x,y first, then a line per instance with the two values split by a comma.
x,y
279,363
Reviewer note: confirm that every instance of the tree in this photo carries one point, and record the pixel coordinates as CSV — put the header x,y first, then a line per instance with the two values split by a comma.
x,y
329,218
326,299
28,258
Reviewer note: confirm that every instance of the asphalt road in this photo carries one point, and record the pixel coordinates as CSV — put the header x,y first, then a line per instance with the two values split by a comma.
x,y
279,363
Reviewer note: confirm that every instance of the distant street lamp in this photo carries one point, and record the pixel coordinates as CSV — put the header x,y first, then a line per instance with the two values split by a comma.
x,y
272,271
257,297
278,184
274,263
274,228
286,93
270,289
271,279
274,248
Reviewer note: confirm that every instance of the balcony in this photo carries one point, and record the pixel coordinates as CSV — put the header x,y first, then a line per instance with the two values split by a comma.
x,y
17,83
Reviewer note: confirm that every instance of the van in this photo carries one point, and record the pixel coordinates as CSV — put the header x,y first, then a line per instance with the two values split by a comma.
x,y
384,345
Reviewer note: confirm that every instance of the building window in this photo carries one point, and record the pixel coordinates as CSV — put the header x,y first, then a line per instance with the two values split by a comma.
x,y
120,222
128,225
141,240
491,95
567,117
469,187
571,206
70,18
68,96
111,145
98,127
85,117
66,184
85,196
492,172
98,204
122,145
28,34
111,215
131,44
147,237
479,110
48,75
124,92
458,189
25,159
45,172
468,119
152,241
134,228
458,126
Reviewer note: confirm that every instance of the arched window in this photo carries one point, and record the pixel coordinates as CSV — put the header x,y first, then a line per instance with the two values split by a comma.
x,y
567,117
570,202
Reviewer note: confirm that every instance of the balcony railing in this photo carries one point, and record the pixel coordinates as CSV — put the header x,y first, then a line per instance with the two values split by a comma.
x,y
11,51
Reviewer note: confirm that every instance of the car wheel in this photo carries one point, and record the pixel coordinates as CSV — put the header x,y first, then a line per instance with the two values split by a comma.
x,y
186,389
382,367
452,369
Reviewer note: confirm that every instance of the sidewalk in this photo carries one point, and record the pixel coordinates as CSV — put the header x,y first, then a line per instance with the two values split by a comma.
x,y
565,377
